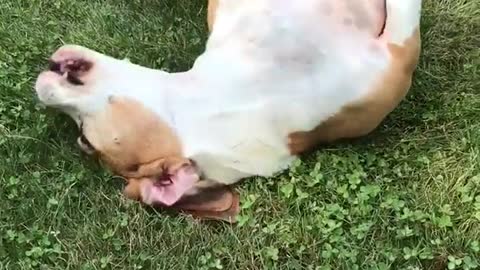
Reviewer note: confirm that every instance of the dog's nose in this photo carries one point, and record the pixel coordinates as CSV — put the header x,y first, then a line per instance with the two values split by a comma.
x,y
73,68
77,66
69,65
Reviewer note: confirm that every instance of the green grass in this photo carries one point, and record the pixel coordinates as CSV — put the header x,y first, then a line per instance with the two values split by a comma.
x,y
406,197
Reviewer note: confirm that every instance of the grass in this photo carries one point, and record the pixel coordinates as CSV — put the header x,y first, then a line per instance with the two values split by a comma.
x,y
406,197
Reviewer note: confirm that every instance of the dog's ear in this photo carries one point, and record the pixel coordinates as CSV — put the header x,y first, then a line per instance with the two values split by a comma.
x,y
163,181
218,202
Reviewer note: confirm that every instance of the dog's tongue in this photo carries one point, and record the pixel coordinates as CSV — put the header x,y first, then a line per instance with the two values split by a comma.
x,y
170,193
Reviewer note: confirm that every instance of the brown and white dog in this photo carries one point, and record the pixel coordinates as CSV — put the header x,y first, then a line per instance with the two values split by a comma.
x,y
277,78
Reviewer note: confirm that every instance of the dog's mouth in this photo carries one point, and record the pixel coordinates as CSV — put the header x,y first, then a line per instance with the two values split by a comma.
x,y
163,181
167,189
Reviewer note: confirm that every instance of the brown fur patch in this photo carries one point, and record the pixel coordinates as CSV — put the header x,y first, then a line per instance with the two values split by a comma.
x,y
212,10
362,117
127,135
135,143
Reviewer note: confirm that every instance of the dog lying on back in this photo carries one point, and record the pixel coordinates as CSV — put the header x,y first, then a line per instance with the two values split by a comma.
x,y
277,78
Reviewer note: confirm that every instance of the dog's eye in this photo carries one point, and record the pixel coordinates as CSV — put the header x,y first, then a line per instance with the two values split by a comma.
x,y
55,67
133,168
85,141
73,79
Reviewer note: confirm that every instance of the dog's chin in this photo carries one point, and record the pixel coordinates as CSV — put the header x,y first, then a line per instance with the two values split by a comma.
x,y
59,109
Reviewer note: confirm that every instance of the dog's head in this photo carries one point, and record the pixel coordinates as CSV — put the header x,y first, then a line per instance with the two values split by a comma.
x,y
96,91
133,140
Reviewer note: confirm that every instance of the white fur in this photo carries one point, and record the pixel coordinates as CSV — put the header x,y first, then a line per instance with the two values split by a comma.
x,y
403,18
271,67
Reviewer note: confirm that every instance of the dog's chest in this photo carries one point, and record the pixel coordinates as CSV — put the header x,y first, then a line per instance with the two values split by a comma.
x,y
247,139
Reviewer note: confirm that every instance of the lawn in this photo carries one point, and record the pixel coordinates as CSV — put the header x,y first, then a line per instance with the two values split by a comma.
x,y
405,197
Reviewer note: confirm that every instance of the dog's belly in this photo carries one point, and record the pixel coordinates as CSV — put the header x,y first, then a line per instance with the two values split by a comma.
x,y
242,128
289,72
232,145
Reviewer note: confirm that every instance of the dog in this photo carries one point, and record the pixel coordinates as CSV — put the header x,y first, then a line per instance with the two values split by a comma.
x,y
277,78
